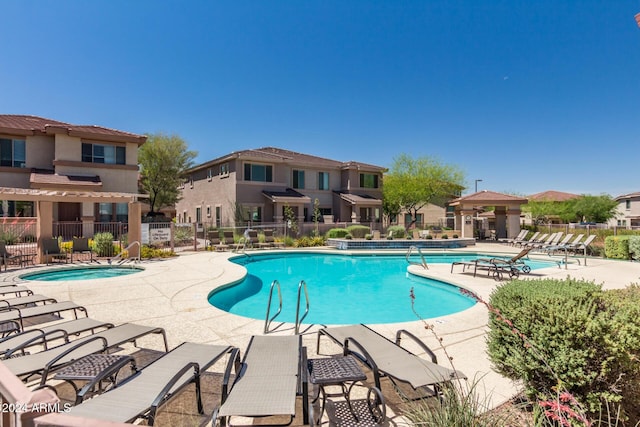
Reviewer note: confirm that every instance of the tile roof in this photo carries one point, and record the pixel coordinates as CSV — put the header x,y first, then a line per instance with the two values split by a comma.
x,y
553,196
359,199
489,198
33,125
628,196
287,194
274,154
42,178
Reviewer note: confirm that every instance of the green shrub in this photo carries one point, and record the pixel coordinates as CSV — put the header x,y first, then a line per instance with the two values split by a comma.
x,y
578,338
183,234
348,237
337,233
634,247
289,241
396,231
429,237
358,231
444,236
103,244
8,237
455,236
368,236
147,252
616,247
303,242
318,241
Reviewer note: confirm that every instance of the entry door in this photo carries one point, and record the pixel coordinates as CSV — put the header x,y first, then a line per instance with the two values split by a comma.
x,y
69,211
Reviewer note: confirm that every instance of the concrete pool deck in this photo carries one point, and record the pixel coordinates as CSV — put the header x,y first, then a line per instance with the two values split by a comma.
x,y
172,294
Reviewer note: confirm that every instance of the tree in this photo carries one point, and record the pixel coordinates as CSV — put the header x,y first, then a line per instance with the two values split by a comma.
x,y
595,208
163,160
414,183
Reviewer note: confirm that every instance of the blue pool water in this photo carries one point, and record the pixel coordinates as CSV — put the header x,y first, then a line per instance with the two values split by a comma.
x,y
81,273
343,289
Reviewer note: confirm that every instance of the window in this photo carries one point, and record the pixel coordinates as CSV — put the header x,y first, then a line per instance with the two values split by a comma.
x,y
208,211
122,212
253,213
107,154
262,173
12,208
298,179
622,223
209,174
323,180
12,153
368,180
218,216
199,214
105,212
628,204
224,169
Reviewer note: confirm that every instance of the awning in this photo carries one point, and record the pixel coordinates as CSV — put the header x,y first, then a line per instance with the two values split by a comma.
x,y
287,196
53,180
360,199
34,195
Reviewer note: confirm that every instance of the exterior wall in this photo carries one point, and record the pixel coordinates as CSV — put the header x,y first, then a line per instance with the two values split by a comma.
x,y
14,177
40,151
68,148
232,190
627,217
431,214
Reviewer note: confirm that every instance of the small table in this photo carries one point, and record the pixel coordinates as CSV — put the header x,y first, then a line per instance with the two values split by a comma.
x,y
94,368
335,371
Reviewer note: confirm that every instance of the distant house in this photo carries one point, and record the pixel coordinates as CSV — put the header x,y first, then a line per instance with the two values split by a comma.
x,y
549,196
628,211
56,172
257,186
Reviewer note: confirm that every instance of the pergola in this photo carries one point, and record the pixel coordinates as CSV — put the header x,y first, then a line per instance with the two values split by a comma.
x,y
44,199
507,212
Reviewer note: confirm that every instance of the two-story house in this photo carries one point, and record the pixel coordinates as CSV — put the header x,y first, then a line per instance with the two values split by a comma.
x,y
59,172
628,211
258,186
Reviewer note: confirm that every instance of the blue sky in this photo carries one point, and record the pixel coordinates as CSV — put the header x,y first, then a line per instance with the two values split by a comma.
x,y
526,95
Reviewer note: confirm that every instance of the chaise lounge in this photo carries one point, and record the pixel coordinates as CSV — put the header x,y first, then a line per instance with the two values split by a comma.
x,y
388,359
271,375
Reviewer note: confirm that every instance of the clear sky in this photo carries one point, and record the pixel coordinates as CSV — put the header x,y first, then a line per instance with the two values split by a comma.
x,y
526,95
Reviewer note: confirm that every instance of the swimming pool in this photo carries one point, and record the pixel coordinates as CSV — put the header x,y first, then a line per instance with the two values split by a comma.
x,y
81,273
343,289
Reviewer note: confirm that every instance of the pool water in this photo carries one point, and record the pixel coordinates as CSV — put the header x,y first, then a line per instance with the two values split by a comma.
x,y
81,273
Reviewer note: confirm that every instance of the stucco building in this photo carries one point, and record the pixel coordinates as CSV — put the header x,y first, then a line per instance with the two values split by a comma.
x,y
257,186
52,171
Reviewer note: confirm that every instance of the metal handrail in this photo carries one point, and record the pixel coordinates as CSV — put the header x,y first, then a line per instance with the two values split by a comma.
x,y
302,285
119,256
267,320
408,256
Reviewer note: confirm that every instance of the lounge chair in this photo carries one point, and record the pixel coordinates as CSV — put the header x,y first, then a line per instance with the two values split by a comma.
x,y
519,237
51,250
582,246
545,239
387,358
515,264
7,257
270,241
251,238
215,242
140,395
80,245
18,315
29,300
520,242
44,362
271,375
18,343
15,290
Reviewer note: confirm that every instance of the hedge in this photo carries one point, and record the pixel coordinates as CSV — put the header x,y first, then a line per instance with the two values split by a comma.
x,y
616,247
396,231
358,231
337,233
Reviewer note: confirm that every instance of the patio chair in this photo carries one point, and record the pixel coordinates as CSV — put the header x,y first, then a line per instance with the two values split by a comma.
x,y
515,264
520,236
15,290
44,336
19,315
80,245
270,241
7,257
520,242
581,246
215,242
389,359
42,363
51,250
271,375
140,395
26,301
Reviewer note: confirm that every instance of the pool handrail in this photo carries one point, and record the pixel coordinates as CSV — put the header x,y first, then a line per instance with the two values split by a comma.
x,y
119,256
408,256
267,320
302,285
